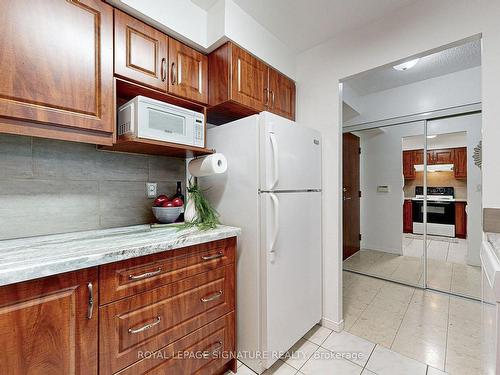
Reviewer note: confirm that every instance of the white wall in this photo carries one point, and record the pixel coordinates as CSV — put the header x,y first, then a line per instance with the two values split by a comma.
x,y
381,164
206,30
421,26
451,90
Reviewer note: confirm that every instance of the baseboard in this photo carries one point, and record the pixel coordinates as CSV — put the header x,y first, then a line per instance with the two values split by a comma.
x,y
330,324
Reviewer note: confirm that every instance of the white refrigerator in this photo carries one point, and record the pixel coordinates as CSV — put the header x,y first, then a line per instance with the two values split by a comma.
x,y
272,190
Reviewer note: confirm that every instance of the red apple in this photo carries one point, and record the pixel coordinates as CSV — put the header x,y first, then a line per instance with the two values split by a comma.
x,y
168,204
177,202
160,200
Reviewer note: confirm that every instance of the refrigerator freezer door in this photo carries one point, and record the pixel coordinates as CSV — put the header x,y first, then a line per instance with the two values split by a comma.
x,y
291,268
290,155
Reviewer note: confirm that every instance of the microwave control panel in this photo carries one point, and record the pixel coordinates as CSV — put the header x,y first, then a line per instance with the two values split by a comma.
x,y
199,130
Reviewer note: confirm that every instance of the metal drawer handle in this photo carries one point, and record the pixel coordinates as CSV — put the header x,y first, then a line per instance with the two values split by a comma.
x,y
90,306
216,347
163,69
213,297
146,327
220,254
145,275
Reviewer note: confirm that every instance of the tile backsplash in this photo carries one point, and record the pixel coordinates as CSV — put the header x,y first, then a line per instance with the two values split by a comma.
x,y
436,179
49,186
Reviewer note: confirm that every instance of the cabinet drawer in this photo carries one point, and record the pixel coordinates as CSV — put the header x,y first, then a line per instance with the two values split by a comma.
x,y
132,276
154,319
216,339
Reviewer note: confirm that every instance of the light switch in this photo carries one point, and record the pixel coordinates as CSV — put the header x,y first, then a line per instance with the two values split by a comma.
x,y
151,189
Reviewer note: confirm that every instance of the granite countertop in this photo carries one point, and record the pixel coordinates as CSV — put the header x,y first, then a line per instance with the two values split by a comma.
x,y
31,258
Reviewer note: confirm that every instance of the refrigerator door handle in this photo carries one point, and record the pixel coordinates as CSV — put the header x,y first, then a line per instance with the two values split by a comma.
x,y
276,172
276,215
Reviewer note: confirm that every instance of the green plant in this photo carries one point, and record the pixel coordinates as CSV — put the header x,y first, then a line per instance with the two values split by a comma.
x,y
207,216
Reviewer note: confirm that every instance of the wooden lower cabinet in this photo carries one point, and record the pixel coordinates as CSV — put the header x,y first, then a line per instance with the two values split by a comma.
x,y
167,313
149,321
45,326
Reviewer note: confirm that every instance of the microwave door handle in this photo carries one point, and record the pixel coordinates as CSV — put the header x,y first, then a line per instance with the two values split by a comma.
x,y
276,226
276,172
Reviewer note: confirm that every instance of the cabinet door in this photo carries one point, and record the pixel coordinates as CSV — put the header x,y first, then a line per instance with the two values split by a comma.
x,y
282,95
460,162
57,62
460,220
249,80
188,72
443,156
408,216
409,164
45,326
140,52
419,157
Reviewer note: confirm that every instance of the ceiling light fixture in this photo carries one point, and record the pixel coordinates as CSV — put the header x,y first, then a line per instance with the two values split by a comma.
x,y
431,136
406,65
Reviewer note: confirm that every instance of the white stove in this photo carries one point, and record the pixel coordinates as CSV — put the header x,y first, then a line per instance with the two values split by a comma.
x,y
440,211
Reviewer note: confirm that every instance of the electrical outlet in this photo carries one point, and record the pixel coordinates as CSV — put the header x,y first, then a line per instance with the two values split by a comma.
x,y
151,189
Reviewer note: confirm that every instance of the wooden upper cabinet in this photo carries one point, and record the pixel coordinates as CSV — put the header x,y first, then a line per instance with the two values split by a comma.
x,y
281,95
409,164
460,162
57,63
242,85
249,85
188,72
45,327
441,156
140,52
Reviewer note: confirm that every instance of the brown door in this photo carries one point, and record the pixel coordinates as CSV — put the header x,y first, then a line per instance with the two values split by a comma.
x,y
57,62
351,193
188,72
45,326
140,52
281,94
249,80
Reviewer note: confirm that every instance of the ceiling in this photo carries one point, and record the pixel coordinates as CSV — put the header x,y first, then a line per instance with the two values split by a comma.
x,y
204,4
445,62
302,24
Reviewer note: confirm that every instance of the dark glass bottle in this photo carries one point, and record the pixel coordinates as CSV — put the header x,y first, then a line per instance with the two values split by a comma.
x,y
178,194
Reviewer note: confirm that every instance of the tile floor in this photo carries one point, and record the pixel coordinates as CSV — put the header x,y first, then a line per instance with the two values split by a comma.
x,y
446,265
391,329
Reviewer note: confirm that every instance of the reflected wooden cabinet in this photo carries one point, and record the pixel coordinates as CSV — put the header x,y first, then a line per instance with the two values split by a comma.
x,y
188,72
460,220
456,156
409,164
408,216
460,162
140,52
242,85
57,69
45,326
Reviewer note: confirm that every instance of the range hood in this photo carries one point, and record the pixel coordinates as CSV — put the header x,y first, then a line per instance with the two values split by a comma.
x,y
435,168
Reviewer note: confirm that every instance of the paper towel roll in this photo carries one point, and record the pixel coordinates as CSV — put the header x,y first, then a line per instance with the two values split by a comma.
x,y
208,165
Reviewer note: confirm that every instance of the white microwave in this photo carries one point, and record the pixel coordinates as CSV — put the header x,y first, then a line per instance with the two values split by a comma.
x,y
151,119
